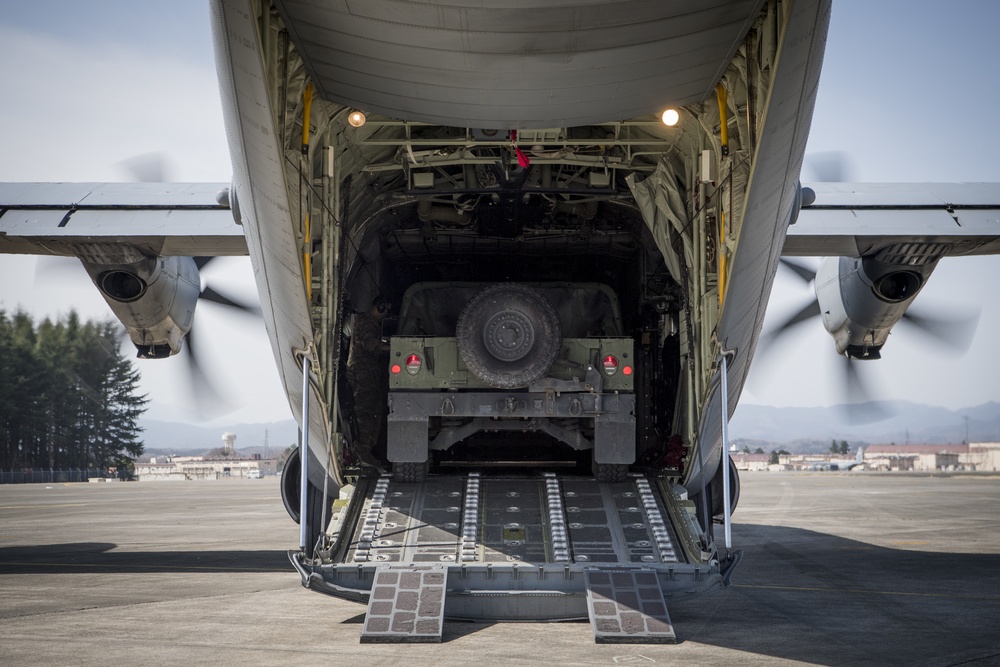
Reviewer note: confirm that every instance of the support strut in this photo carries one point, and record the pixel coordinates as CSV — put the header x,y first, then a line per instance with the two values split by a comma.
x,y
304,457
724,462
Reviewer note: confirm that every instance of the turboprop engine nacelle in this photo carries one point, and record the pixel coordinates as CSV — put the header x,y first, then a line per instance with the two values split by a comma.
x,y
862,298
153,297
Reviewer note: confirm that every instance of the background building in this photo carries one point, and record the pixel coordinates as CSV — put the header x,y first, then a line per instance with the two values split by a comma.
x,y
181,468
984,456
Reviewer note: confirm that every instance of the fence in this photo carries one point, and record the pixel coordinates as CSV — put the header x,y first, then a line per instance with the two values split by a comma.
x,y
50,476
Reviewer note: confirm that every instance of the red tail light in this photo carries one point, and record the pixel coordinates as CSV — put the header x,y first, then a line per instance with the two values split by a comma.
x,y
610,365
396,368
413,364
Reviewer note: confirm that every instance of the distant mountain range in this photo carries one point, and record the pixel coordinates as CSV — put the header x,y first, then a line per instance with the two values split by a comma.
x,y
904,422
162,437
795,429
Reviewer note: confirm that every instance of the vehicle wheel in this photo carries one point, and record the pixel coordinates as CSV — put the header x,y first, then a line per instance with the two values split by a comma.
x,y
508,335
407,471
610,472
717,498
290,485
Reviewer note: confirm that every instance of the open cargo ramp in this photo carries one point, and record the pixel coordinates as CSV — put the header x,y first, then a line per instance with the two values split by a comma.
x,y
525,547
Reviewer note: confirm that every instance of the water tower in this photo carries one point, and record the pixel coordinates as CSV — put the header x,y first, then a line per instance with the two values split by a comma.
x,y
228,443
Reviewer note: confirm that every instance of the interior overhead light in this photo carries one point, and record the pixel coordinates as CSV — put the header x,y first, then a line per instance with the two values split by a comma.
x,y
356,118
670,117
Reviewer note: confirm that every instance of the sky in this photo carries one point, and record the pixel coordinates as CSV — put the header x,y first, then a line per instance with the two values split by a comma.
x,y
907,94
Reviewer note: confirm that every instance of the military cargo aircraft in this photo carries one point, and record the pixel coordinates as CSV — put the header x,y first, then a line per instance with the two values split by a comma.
x,y
565,222
834,464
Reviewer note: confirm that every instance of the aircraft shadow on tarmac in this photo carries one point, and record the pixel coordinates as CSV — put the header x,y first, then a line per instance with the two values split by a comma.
x,y
100,557
812,597
797,595
807,596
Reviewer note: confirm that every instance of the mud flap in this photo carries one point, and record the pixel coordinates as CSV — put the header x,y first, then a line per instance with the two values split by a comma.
x,y
614,438
407,440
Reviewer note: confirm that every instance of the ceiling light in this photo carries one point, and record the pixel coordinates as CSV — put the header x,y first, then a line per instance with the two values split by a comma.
x,y
356,118
670,117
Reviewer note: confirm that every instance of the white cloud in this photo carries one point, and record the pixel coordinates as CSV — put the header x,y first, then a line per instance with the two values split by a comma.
x,y
71,114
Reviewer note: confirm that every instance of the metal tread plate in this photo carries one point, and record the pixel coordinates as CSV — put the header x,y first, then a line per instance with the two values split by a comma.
x,y
627,607
406,605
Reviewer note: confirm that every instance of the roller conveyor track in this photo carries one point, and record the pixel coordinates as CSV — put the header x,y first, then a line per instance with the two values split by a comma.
x,y
531,520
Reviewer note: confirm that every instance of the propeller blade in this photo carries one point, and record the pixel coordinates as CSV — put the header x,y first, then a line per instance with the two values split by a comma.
x,y
209,294
859,408
807,312
804,272
830,166
58,269
202,262
121,335
854,387
769,338
147,167
206,395
955,332
207,398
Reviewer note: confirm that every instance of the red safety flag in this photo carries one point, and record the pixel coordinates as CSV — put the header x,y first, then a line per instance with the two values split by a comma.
x,y
522,159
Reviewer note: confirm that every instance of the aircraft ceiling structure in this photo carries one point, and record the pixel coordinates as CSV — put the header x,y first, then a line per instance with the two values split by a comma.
x,y
516,65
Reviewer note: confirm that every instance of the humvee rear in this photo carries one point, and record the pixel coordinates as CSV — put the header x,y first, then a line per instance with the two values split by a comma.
x,y
546,363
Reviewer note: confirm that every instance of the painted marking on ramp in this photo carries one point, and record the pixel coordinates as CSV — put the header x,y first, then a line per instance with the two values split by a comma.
x,y
632,660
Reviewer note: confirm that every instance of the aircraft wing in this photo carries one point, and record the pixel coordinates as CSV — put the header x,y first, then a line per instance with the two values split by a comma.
x,y
159,219
858,219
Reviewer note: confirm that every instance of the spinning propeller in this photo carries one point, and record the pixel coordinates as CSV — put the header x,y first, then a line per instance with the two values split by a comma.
x,y
954,332
206,397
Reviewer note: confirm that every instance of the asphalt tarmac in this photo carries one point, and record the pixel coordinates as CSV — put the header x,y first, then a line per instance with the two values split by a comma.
x,y
839,569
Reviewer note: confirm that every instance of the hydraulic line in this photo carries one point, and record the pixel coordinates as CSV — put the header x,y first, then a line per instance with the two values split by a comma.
x,y
720,94
307,96
721,249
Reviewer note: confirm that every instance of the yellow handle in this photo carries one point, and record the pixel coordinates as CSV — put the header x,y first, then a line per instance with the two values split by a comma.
x,y
720,94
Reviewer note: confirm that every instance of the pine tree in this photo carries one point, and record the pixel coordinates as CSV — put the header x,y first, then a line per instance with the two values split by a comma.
x,y
25,387
123,409
68,397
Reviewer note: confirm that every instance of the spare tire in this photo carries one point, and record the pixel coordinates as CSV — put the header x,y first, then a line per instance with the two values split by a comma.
x,y
508,335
